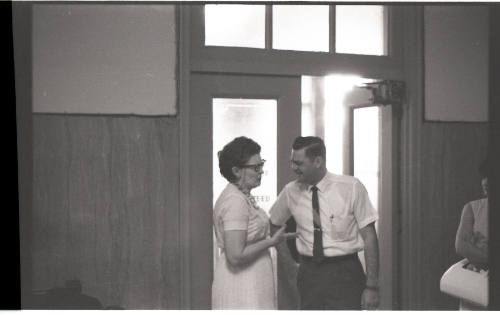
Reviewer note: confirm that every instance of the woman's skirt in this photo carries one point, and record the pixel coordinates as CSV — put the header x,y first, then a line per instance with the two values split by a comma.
x,y
247,287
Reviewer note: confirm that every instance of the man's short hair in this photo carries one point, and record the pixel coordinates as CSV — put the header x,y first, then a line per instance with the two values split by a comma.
x,y
314,146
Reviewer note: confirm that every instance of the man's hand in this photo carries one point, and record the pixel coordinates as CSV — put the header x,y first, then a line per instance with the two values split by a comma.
x,y
370,299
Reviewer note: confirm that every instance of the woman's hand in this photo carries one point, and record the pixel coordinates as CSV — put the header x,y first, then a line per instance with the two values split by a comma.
x,y
280,235
477,267
465,241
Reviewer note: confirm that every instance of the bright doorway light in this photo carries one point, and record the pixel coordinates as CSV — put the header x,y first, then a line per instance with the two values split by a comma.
x,y
234,117
336,88
366,149
245,117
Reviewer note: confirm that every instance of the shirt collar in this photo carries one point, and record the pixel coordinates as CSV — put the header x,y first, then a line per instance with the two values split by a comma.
x,y
322,184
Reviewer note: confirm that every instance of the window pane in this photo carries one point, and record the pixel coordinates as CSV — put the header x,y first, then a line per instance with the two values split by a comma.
x,y
361,29
307,114
366,149
301,27
245,117
366,155
235,25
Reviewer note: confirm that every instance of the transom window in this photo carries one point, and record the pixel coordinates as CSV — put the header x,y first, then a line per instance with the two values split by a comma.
x,y
361,29
341,29
301,27
235,25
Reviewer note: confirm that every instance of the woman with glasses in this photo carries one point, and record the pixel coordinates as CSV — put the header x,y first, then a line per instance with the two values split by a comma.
x,y
243,276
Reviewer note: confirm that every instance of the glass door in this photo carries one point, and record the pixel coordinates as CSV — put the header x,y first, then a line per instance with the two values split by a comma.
x,y
234,117
371,154
361,140
222,107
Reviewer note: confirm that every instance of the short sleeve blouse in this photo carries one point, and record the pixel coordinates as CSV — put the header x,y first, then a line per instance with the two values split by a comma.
x,y
234,210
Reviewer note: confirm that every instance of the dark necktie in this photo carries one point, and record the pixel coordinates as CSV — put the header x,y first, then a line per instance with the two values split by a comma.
x,y
318,233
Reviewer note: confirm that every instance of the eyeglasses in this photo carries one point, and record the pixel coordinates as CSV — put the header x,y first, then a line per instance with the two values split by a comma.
x,y
256,167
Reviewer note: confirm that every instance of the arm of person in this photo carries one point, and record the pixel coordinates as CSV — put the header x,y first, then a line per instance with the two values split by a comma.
x,y
279,212
366,215
464,241
370,298
274,227
235,221
238,253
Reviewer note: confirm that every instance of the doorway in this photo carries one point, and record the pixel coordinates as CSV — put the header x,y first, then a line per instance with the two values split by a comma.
x,y
372,136
273,110
223,106
361,140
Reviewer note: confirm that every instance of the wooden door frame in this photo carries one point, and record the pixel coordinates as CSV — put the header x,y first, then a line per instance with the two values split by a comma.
x,y
215,60
389,188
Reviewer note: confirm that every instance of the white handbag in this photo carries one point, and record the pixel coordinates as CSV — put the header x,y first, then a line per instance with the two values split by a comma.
x,y
465,284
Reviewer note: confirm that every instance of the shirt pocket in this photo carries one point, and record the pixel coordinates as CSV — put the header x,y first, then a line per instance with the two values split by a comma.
x,y
339,228
339,220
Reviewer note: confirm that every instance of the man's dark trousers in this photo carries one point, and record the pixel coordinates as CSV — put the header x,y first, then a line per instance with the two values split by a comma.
x,y
334,284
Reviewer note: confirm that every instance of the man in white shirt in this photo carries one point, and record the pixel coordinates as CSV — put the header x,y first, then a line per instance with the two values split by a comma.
x,y
335,220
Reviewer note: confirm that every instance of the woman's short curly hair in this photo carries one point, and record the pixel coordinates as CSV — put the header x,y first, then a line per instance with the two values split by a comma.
x,y
236,153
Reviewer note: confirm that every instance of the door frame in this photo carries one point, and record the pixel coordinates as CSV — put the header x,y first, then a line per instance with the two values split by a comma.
x,y
389,190
214,60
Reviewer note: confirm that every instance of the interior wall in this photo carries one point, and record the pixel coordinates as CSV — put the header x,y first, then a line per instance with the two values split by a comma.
x,y
456,63
104,58
105,208
439,175
99,202
451,154
494,151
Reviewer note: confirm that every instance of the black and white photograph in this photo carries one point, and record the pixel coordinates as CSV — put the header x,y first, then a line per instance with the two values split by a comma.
x,y
252,155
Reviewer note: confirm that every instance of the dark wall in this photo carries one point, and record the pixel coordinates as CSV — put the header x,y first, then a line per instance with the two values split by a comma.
x,y
494,151
106,208
439,162
450,156
99,202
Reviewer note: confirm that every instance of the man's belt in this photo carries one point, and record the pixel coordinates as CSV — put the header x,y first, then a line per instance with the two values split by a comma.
x,y
330,259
